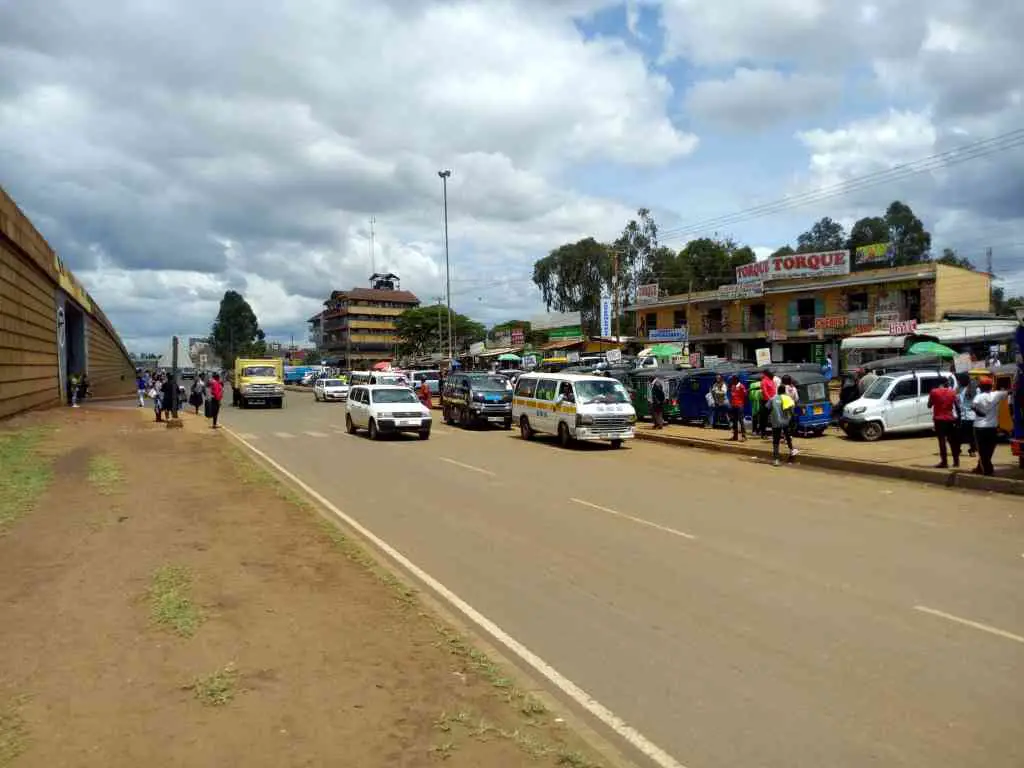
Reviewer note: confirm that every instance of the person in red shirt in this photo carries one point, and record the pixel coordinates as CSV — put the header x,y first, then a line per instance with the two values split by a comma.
x,y
768,391
737,402
216,394
946,416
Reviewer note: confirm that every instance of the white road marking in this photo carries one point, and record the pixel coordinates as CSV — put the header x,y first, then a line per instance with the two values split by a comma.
x,y
315,434
284,435
639,520
247,436
648,748
967,622
470,467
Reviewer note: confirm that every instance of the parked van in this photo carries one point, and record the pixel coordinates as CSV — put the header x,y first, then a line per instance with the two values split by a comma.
x,y
895,403
574,407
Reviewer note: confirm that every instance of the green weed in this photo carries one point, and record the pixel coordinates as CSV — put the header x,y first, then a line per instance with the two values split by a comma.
x,y
26,473
218,688
169,601
104,474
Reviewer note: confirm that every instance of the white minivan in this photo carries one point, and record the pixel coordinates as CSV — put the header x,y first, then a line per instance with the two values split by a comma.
x,y
893,403
574,407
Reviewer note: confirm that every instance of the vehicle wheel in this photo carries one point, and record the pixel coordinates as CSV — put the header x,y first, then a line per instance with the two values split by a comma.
x,y
616,444
508,423
241,403
524,428
425,434
871,431
372,431
464,420
279,403
448,419
350,426
819,432
564,438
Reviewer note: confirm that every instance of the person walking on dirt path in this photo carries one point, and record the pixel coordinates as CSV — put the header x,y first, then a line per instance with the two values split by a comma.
x,y
169,399
658,403
945,415
140,387
737,404
216,395
198,395
756,407
986,408
780,413
156,391
768,392
965,394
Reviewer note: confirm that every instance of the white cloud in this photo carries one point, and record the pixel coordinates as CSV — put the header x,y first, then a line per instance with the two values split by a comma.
x,y
751,100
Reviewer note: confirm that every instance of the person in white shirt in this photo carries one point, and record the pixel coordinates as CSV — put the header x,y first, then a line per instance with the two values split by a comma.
x,y
986,409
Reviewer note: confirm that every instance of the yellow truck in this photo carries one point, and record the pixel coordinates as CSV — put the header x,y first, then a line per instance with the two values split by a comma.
x,y
258,381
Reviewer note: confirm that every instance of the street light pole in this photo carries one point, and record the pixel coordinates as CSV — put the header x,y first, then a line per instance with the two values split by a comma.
x,y
445,174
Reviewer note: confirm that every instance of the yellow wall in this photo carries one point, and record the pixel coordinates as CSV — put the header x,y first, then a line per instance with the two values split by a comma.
x,y
957,288
370,338
385,325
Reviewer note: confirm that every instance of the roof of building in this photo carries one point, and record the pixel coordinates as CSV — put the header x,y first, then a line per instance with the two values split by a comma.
x,y
375,294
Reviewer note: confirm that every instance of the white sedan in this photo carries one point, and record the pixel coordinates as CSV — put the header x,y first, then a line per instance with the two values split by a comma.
x,y
382,409
326,390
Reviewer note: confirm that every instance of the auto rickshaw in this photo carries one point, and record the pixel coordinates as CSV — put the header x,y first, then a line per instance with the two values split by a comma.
x,y
1002,378
638,383
813,412
698,382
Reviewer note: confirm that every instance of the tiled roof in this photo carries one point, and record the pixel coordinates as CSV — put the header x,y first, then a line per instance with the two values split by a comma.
x,y
377,294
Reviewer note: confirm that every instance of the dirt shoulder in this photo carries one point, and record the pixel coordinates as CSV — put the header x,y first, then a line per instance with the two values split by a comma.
x,y
166,602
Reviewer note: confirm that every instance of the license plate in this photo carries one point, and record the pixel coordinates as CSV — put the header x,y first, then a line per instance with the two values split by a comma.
x,y
495,418
408,422
818,411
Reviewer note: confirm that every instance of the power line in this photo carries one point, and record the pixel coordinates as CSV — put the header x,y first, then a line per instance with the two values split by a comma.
x,y
972,151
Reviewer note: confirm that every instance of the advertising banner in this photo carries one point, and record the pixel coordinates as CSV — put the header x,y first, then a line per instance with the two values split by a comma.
x,y
645,294
902,328
749,290
763,356
518,337
876,253
555,320
797,265
668,334
606,316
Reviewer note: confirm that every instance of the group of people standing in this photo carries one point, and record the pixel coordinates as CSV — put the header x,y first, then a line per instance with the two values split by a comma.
x,y
164,393
967,415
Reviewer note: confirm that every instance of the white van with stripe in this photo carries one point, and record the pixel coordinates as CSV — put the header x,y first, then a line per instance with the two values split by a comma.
x,y
573,407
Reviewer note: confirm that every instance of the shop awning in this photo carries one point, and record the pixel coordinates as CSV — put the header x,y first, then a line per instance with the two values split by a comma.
x,y
873,342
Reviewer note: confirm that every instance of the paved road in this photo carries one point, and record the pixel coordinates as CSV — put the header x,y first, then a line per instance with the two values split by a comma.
x,y
737,615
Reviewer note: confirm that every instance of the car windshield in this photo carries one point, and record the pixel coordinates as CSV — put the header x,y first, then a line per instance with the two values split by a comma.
x,y
333,383
876,390
491,383
259,370
609,391
394,396
391,380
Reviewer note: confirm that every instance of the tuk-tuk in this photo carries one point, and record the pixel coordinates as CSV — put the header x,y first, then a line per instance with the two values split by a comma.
x,y
697,383
1002,378
638,383
813,412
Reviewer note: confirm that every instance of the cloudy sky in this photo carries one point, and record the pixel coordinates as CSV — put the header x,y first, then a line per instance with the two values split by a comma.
x,y
171,149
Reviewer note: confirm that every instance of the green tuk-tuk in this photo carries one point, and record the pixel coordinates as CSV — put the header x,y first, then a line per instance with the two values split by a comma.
x,y
639,382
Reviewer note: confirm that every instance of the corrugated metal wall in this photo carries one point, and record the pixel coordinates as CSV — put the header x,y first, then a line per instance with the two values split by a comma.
x,y
30,296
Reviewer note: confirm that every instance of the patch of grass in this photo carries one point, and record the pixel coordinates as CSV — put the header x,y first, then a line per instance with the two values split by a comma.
x,y
218,688
13,733
104,473
351,549
27,472
169,601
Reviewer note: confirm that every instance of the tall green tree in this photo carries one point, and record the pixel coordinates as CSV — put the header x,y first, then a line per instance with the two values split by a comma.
x,y
639,254
236,332
825,235
706,263
950,257
786,250
572,277
911,241
425,329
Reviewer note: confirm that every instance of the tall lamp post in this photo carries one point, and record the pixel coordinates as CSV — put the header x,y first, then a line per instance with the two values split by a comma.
x,y
445,174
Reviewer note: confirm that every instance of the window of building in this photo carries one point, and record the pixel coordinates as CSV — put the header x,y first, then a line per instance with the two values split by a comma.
x,y
857,302
651,321
679,318
912,301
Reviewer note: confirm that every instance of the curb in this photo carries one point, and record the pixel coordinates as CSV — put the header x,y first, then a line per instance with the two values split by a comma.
x,y
954,479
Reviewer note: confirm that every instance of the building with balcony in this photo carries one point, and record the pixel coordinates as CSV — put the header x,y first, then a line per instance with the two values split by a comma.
x,y
802,319
357,327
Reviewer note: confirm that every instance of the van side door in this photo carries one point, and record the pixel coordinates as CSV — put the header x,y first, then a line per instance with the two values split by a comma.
x,y
903,405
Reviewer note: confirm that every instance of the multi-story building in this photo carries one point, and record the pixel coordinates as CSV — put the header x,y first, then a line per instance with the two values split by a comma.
x,y
357,327
801,319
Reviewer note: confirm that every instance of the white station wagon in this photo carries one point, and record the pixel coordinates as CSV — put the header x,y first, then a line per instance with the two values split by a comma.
x,y
381,410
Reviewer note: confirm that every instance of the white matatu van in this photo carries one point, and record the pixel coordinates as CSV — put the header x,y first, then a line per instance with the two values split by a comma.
x,y
574,407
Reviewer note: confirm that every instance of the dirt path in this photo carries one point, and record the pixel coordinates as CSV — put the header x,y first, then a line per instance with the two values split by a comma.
x,y
165,602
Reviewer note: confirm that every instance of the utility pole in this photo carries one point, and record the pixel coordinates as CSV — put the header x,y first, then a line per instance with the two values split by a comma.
x,y
445,175
615,294
991,291
373,253
440,333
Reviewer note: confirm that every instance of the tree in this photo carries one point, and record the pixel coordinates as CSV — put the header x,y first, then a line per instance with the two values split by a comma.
x,y
911,242
572,277
868,231
425,329
825,235
950,258
786,250
1003,306
706,263
236,331
311,357
638,251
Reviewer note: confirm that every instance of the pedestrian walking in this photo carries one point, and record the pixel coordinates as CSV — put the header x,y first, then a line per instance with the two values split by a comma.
x,y
986,409
737,404
780,414
658,403
719,401
768,392
756,407
140,386
826,368
425,394
216,395
945,415
198,394
169,401
156,391
966,392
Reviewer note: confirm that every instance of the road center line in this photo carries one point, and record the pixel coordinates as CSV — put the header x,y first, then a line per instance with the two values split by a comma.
x,y
639,520
470,467
648,748
967,622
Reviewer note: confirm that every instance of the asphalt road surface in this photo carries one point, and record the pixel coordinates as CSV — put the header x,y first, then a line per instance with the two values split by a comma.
x,y
735,614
